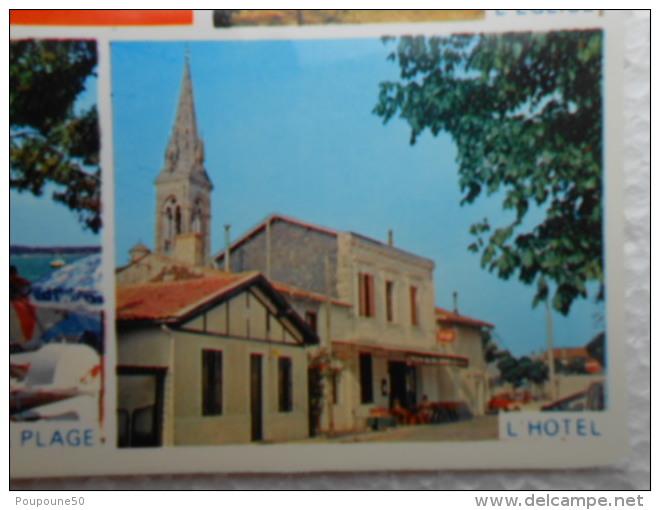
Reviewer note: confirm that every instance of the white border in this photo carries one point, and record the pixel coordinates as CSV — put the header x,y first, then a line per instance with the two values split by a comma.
x,y
107,459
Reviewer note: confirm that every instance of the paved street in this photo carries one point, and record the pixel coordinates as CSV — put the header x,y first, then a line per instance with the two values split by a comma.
x,y
478,429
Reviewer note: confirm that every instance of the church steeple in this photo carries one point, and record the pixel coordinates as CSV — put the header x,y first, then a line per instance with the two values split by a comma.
x,y
185,150
183,188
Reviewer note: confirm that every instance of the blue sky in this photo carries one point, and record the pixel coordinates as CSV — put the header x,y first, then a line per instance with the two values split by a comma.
x,y
288,128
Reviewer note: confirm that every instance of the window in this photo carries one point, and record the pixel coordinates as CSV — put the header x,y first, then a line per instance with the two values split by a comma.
x,y
177,221
414,306
366,376
285,374
367,296
389,300
311,320
211,382
196,220
169,224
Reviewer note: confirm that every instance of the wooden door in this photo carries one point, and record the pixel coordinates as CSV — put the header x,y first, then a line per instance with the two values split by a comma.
x,y
140,406
256,396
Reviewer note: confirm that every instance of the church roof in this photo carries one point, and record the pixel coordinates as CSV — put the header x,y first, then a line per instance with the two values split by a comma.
x,y
184,156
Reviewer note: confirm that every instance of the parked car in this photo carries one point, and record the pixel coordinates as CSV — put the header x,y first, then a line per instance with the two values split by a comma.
x,y
509,401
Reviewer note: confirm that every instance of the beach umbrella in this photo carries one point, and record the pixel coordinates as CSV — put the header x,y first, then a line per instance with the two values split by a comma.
x,y
86,329
74,287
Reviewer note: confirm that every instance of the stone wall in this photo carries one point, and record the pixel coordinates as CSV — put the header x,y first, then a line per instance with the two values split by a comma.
x,y
297,256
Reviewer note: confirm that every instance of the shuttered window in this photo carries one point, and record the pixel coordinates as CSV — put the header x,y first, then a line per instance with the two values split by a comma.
x,y
414,305
367,295
389,300
211,382
285,383
366,378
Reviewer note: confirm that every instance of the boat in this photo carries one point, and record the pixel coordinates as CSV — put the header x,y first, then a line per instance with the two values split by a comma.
x,y
57,263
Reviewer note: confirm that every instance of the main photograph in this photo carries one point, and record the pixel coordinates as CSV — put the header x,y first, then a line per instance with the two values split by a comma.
x,y
349,240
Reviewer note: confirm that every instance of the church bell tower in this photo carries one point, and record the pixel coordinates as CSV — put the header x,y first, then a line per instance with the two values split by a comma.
x,y
183,188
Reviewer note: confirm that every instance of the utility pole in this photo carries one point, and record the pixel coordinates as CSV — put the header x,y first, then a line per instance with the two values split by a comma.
x,y
228,248
551,352
330,375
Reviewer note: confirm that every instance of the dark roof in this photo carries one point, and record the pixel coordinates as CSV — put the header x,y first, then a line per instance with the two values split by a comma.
x,y
448,317
312,296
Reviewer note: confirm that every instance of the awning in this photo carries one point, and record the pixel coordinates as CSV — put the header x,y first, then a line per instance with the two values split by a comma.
x,y
411,356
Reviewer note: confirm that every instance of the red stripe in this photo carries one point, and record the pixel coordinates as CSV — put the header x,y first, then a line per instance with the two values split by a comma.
x,y
100,17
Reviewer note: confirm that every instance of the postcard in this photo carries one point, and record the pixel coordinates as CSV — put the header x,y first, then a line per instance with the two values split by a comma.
x,y
315,240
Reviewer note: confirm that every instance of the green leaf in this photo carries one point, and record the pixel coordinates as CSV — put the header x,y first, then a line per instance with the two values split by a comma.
x,y
525,112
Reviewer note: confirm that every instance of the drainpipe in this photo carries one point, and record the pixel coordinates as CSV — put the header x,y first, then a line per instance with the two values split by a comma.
x,y
551,352
168,396
268,248
227,250
329,381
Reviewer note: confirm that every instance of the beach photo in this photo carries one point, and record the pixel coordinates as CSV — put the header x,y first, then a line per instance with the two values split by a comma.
x,y
56,312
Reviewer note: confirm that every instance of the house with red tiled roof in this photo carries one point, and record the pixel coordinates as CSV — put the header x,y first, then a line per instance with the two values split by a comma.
x,y
575,371
207,361
465,336
574,359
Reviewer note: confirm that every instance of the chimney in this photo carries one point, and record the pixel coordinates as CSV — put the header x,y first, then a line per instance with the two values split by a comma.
x,y
227,250
390,237
456,302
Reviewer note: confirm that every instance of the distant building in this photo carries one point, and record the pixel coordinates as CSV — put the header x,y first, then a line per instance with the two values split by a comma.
x,y
573,360
464,336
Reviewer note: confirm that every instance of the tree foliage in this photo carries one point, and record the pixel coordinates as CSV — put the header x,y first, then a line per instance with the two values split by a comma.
x,y
518,370
525,111
50,142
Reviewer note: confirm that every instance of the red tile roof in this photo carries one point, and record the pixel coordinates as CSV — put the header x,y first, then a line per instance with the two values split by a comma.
x,y
446,316
567,353
173,300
